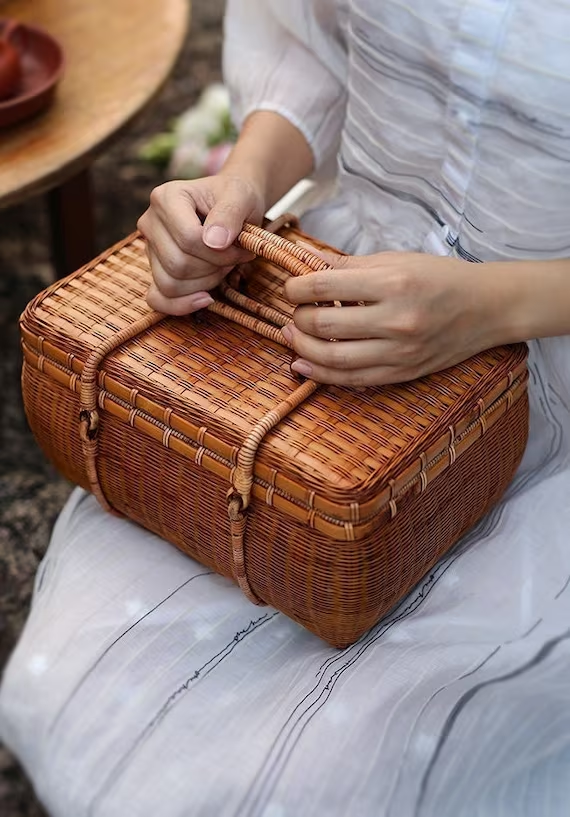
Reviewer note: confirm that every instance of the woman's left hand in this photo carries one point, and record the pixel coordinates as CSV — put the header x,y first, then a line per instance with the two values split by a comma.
x,y
421,314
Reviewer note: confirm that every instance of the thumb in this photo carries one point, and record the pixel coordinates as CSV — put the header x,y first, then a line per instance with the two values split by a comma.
x,y
224,222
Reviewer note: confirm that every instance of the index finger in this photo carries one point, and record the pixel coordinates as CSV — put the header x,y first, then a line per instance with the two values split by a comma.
x,y
332,285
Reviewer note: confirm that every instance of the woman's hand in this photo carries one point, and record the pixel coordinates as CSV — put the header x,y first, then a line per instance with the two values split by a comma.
x,y
421,314
189,258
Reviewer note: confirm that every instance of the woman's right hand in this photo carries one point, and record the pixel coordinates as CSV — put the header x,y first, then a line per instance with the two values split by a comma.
x,y
188,258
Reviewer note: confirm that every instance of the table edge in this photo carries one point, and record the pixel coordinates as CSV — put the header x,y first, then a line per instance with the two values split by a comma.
x,y
79,163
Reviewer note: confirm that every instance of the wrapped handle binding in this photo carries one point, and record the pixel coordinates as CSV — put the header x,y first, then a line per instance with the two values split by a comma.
x,y
290,257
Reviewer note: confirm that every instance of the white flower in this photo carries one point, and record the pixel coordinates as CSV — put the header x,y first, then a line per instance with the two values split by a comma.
x,y
202,127
197,125
216,100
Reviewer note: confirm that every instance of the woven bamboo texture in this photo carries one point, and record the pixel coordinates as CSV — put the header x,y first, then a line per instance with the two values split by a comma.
x,y
327,503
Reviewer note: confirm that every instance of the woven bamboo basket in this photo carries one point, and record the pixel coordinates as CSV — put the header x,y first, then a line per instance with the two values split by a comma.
x,y
326,503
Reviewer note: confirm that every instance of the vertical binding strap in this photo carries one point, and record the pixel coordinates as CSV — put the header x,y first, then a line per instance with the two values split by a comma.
x,y
88,414
297,261
238,524
267,322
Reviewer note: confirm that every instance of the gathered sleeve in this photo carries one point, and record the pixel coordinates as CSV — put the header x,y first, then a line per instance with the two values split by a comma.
x,y
287,57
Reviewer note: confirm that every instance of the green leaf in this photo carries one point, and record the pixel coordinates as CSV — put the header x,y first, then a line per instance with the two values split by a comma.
x,y
158,149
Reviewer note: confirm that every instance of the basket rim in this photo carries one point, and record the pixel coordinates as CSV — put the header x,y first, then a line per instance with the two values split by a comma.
x,y
344,521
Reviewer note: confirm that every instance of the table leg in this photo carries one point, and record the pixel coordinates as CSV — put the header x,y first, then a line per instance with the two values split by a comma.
x,y
72,223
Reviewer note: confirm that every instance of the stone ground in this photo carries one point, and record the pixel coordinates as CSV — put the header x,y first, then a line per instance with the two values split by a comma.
x,y
31,493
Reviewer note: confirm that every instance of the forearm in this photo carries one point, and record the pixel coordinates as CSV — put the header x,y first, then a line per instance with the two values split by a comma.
x,y
531,298
271,154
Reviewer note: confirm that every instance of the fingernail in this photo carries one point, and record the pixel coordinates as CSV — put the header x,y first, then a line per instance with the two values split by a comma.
x,y
216,237
298,377
287,333
302,367
201,300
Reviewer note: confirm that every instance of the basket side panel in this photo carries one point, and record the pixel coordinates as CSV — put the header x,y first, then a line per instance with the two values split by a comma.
x,y
341,589
336,589
53,416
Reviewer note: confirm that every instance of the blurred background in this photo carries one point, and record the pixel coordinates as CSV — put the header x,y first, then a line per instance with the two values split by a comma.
x,y
31,493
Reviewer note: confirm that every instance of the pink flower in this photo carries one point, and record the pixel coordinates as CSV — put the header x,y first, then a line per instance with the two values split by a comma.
x,y
216,158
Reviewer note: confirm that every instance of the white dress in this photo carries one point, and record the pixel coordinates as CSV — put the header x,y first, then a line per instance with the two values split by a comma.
x,y
145,686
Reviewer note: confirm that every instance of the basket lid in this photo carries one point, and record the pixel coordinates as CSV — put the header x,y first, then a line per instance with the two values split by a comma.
x,y
343,454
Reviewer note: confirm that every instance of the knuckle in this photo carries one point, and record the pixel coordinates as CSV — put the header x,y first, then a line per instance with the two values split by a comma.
x,y
322,324
412,324
177,274
176,266
399,282
338,357
168,287
157,195
357,379
321,286
229,207
410,356
341,261
156,300
152,298
142,223
291,292
183,266
188,243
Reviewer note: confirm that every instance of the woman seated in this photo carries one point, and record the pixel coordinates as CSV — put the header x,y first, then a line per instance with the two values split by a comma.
x,y
144,684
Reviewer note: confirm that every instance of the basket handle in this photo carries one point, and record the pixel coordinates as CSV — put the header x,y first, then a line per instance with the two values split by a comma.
x,y
291,257
294,259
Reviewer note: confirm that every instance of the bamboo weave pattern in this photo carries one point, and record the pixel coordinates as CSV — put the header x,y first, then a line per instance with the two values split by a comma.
x,y
350,496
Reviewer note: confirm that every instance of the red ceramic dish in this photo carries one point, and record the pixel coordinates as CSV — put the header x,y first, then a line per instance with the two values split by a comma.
x,y
10,68
42,63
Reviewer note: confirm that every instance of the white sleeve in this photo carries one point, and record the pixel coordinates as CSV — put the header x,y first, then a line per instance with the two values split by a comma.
x,y
288,57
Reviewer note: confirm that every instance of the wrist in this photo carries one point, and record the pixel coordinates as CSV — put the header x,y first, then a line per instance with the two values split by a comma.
x,y
530,299
271,154
249,173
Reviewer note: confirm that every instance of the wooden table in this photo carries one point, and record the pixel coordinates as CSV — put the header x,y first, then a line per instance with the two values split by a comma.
x,y
118,55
